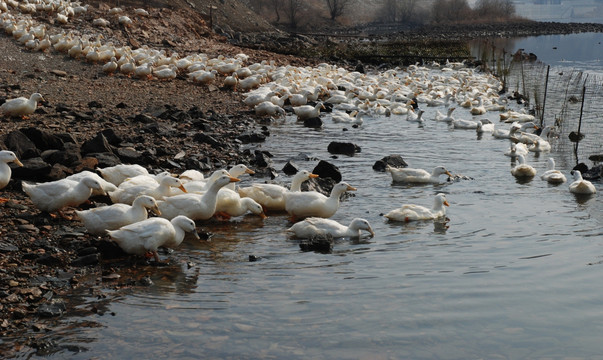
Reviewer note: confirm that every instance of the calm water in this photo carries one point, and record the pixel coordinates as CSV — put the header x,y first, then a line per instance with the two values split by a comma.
x,y
514,273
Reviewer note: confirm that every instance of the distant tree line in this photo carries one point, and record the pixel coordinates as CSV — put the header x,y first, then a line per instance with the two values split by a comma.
x,y
293,12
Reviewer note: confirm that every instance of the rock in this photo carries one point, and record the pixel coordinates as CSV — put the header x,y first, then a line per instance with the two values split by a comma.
x,y
325,169
395,161
144,118
34,169
59,73
98,144
321,185
49,259
105,159
252,138
53,309
95,104
112,137
313,123
343,148
43,140
582,167
21,145
130,155
207,139
262,159
594,173
86,260
290,168
63,157
321,244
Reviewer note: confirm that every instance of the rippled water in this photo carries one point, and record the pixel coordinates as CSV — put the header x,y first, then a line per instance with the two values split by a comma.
x,y
513,273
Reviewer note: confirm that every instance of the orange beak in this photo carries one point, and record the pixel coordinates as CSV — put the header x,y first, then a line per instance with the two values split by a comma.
x,y
234,179
181,187
312,176
351,188
446,203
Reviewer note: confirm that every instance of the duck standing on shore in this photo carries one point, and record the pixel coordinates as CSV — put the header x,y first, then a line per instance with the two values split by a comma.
x,y
21,106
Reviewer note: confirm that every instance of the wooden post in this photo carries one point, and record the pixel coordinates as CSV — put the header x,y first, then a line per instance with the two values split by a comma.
x,y
546,85
581,109
211,16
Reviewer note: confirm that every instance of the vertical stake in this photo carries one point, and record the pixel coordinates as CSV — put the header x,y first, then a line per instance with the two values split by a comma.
x,y
546,85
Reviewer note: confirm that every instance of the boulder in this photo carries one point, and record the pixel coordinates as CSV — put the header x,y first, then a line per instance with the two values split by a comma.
x,y
290,168
313,123
21,145
325,169
395,161
42,139
344,148
98,144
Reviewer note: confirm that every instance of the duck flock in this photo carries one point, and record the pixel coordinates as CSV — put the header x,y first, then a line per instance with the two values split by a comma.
x,y
301,92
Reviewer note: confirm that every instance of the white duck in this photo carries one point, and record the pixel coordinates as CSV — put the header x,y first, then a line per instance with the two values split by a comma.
x,y
528,138
517,149
201,186
464,124
551,175
5,170
316,226
522,169
581,186
100,219
412,175
55,195
272,196
107,186
540,146
307,111
145,237
479,109
231,204
411,212
267,108
445,118
126,195
483,126
21,106
302,204
194,206
118,173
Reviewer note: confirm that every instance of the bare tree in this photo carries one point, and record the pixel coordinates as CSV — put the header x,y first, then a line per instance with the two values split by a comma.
x,y
337,7
449,11
493,9
406,9
292,8
276,4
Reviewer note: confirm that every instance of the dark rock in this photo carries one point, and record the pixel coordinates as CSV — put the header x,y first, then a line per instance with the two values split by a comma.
x,y
6,247
322,185
87,251
58,172
596,158
325,169
290,168
594,173
42,139
252,138
130,155
49,259
265,173
105,159
207,139
343,148
98,144
144,118
109,249
319,244
86,260
62,157
581,167
60,107
54,309
313,123
112,137
66,138
575,136
33,169
21,145
395,161
95,104
262,159
253,258
121,105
